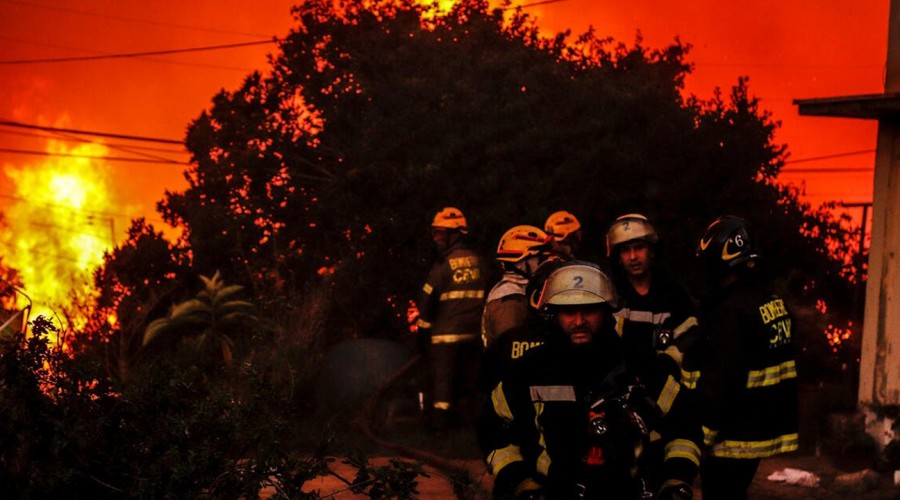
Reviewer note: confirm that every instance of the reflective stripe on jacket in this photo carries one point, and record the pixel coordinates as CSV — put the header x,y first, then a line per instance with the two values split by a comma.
x,y
536,425
666,307
506,307
748,382
452,297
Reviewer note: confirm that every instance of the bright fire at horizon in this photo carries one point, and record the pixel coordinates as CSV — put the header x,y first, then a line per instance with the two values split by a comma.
x,y
57,225
57,229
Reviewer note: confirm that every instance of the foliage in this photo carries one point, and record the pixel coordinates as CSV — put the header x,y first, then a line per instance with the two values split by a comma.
x,y
376,114
138,280
312,188
396,479
211,321
170,433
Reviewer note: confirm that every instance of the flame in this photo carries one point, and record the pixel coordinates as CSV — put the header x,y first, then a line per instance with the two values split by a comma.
x,y
837,335
58,226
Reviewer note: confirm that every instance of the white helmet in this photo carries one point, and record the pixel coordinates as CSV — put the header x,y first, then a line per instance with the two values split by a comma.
x,y
578,283
627,228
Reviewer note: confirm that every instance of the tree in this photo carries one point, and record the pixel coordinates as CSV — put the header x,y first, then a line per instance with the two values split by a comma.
x,y
376,114
139,280
211,321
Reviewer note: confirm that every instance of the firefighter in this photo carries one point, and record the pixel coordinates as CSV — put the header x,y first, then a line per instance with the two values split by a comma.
x,y
449,318
520,251
748,381
566,230
569,419
657,316
511,345
656,322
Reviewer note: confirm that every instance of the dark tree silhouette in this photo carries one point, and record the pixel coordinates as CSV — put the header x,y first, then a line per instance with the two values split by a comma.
x,y
374,115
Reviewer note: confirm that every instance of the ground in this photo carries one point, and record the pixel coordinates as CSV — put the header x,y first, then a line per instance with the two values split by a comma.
x,y
438,485
460,443
401,430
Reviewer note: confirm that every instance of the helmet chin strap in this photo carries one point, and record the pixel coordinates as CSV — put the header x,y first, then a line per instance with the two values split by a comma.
x,y
526,267
520,268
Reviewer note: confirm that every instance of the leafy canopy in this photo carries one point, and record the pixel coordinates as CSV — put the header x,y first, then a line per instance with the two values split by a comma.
x,y
375,114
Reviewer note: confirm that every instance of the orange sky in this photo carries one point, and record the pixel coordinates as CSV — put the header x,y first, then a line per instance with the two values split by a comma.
x,y
790,49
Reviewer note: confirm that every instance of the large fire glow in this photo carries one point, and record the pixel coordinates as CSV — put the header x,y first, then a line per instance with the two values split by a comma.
x,y
58,226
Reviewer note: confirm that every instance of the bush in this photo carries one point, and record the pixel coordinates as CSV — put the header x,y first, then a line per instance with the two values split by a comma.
x,y
173,431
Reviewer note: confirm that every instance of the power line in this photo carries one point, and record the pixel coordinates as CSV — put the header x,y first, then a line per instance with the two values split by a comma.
x,y
90,213
828,157
826,170
149,59
138,54
532,4
64,138
105,158
124,149
10,123
789,65
166,61
134,20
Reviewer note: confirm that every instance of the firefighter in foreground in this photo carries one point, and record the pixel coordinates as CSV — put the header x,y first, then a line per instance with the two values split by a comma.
x,y
748,382
520,251
450,317
569,420
566,230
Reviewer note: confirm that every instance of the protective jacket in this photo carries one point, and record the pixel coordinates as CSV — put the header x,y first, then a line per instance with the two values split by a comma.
x,y
509,348
557,421
506,307
453,297
658,327
748,382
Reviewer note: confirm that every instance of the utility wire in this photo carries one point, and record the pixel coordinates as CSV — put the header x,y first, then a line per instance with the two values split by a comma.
x,y
828,157
134,20
532,4
54,256
74,230
63,138
153,59
124,149
10,123
139,54
105,158
826,170
86,212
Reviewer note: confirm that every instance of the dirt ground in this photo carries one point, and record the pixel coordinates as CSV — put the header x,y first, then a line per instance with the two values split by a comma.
x,y
824,468
438,485
460,448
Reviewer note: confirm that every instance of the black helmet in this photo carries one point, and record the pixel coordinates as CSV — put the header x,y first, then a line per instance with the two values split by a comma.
x,y
727,244
539,277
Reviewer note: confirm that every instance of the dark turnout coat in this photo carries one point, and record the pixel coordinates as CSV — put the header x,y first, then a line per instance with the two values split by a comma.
x,y
453,297
539,427
748,380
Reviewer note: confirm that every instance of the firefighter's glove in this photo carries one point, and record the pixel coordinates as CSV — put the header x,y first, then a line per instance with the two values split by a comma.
x,y
529,489
674,489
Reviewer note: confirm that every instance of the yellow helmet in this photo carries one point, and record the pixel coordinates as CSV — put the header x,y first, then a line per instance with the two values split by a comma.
x,y
627,228
561,224
450,218
578,283
521,241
